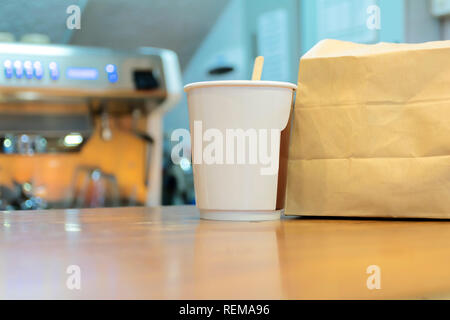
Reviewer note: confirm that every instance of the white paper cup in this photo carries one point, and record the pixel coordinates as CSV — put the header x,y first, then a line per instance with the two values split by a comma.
x,y
237,188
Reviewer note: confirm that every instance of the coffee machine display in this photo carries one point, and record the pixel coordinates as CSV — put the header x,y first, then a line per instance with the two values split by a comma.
x,y
64,107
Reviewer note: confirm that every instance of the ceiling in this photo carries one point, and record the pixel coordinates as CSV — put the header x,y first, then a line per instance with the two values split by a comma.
x,y
47,16
179,25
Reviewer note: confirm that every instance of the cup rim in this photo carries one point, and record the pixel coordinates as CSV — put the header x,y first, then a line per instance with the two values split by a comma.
x,y
240,83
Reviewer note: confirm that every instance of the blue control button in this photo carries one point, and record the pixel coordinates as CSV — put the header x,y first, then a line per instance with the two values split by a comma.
x,y
111,70
38,70
112,77
54,70
8,68
28,66
18,69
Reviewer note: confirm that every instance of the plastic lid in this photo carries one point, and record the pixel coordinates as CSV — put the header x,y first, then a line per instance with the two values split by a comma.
x,y
240,83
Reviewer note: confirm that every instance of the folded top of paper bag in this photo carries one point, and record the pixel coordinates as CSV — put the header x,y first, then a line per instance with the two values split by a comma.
x,y
335,72
336,48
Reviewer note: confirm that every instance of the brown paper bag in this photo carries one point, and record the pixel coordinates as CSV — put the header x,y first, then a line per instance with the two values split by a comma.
x,y
371,131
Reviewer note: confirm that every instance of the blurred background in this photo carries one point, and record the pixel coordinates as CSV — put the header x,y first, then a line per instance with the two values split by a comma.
x,y
214,40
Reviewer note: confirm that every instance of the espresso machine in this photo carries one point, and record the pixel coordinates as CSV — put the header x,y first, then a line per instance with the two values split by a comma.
x,y
81,126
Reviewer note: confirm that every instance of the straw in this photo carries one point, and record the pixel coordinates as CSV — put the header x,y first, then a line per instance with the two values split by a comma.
x,y
257,68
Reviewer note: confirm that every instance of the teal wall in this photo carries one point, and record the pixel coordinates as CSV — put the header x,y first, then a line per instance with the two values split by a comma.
x,y
255,8
392,20
349,21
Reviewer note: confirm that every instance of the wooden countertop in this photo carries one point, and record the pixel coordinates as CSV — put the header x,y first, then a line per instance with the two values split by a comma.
x,y
167,252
